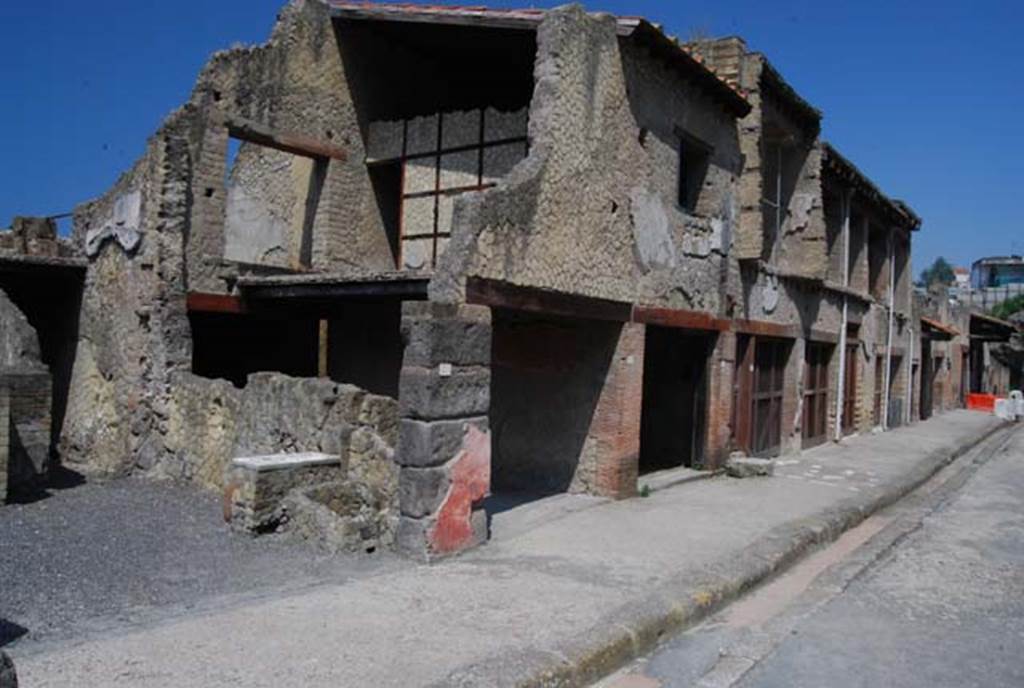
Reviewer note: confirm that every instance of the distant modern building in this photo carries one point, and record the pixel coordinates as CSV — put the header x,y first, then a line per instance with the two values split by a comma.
x,y
997,271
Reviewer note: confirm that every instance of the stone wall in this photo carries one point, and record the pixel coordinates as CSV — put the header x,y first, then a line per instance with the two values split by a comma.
x,y
35,237
211,422
159,233
592,211
445,444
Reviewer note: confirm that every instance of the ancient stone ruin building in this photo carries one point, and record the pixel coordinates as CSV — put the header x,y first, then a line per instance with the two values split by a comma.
x,y
427,254
40,288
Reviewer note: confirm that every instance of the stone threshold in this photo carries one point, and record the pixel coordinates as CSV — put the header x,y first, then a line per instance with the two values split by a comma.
x,y
662,480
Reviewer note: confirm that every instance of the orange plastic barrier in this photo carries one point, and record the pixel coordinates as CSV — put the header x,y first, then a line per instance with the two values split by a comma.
x,y
982,402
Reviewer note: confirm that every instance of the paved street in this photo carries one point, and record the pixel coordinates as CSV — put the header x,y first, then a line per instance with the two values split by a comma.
x,y
565,594
929,593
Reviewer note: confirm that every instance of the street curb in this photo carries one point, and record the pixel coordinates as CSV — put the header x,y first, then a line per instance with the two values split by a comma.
x,y
636,627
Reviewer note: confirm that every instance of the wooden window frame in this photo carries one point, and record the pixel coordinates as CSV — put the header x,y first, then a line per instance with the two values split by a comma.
x,y
480,145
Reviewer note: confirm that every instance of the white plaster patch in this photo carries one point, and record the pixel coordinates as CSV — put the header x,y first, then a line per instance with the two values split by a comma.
x,y
122,226
771,294
652,240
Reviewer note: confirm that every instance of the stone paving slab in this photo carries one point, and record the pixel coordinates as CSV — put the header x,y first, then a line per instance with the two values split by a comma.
x,y
558,604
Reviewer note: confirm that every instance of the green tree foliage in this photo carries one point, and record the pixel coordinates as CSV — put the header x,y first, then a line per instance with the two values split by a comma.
x,y
940,272
1007,308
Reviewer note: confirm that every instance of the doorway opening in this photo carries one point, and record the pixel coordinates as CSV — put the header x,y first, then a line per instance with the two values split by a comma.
x,y
547,375
674,408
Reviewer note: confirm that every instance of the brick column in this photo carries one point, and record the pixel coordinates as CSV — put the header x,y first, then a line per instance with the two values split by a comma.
x,y
610,460
444,445
721,371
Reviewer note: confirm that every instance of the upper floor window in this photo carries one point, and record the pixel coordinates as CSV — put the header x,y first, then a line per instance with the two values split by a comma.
x,y
694,160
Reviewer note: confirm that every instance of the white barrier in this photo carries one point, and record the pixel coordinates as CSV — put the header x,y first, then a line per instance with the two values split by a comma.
x,y
1016,403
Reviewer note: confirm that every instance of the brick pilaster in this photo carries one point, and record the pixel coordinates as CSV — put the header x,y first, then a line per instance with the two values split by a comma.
x,y
609,465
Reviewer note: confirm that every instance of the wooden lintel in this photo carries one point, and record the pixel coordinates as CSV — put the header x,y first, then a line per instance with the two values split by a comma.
x,y
296,144
761,328
486,292
214,303
673,317
413,289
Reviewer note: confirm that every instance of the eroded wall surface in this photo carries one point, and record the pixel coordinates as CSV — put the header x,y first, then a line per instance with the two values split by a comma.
x,y
591,210
170,226
212,422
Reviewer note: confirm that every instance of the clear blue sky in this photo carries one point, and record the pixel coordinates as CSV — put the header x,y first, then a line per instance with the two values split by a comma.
x,y
926,97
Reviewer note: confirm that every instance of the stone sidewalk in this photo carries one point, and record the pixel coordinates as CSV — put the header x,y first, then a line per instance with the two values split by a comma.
x,y
558,604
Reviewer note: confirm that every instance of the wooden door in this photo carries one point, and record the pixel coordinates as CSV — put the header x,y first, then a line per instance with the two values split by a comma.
x,y
815,411
766,408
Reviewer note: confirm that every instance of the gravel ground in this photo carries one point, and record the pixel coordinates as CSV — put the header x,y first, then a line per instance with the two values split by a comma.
x,y
105,555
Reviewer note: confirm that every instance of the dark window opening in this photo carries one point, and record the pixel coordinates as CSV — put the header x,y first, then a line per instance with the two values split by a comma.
x,y
878,263
694,162
857,241
386,179
781,165
817,357
364,346
674,408
233,346
834,236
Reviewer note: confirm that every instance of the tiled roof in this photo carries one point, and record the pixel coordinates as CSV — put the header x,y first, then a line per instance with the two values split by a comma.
x,y
530,18
838,164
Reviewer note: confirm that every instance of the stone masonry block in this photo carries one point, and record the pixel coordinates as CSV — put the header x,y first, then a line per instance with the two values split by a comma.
x,y
432,341
421,491
256,486
458,522
743,467
427,394
422,444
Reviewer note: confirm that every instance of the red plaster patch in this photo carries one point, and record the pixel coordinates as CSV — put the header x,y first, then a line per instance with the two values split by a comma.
x,y
471,481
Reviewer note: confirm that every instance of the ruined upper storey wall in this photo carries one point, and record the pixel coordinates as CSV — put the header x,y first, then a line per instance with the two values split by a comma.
x,y
592,210
160,232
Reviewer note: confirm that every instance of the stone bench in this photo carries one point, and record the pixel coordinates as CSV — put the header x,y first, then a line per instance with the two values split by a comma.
x,y
257,485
